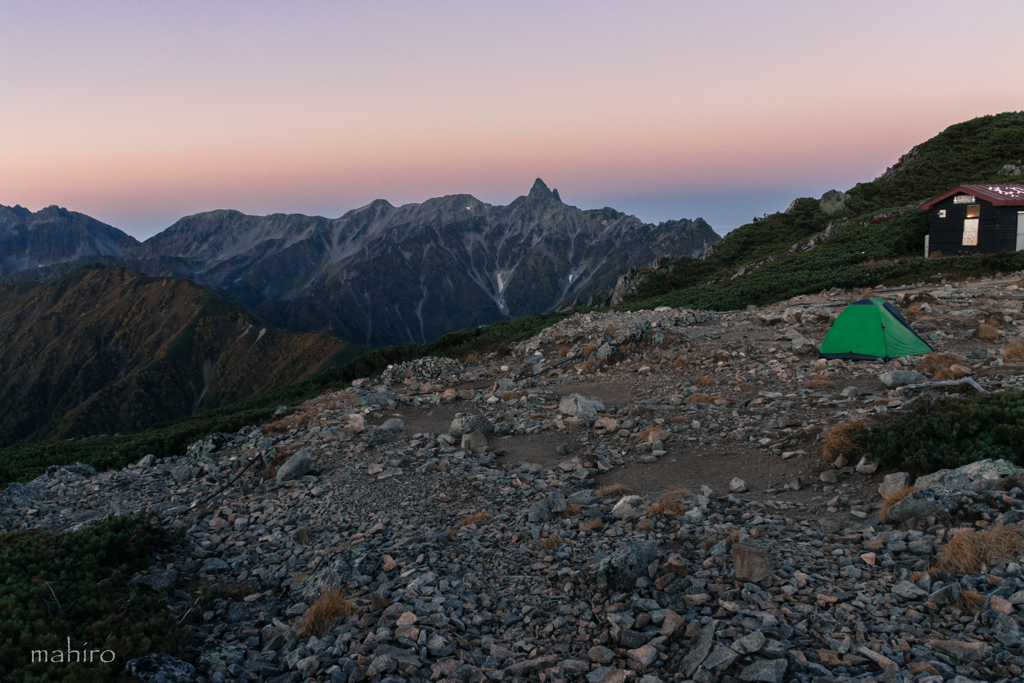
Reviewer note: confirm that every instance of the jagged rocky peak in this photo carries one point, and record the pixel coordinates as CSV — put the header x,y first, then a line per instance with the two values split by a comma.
x,y
540,191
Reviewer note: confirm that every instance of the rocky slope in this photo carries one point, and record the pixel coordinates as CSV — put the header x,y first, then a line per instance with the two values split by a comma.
x,y
387,275
54,235
109,350
624,497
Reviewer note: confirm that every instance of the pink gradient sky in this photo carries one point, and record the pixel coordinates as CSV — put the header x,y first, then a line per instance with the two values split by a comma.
x,y
138,113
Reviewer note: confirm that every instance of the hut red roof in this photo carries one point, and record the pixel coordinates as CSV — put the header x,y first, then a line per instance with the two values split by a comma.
x,y
998,195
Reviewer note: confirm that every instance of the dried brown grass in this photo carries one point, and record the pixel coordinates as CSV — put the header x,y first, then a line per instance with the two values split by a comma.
x,y
549,542
704,381
936,362
612,490
288,422
325,612
820,382
969,550
588,368
1014,353
986,332
569,511
680,363
677,493
477,518
699,398
612,331
511,396
839,440
563,351
588,349
591,524
893,499
667,509
969,601
952,372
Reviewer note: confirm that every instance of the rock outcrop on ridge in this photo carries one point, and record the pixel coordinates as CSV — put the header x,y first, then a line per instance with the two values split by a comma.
x,y
624,497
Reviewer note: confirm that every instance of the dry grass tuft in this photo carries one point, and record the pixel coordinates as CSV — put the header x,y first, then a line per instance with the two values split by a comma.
x,y
986,332
667,509
563,351
971,549
699,398
678,493
820,382
612,331
588,368
704,381
680,363
935,362
969,601
612,490
708,543
569,511
742,385
549,542
893,499
839,440
1014,353
588,349
322,615
287,422
511,396
477,518
591,525
952,372
721,357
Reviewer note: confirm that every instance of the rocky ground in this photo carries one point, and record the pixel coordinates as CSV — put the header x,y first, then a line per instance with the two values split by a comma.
x,y
627,496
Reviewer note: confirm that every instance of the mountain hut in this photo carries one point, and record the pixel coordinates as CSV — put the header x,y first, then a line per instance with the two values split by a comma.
x,y
976,219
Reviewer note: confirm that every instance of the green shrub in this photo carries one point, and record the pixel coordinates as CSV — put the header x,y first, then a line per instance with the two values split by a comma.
x,y
75,586
951,432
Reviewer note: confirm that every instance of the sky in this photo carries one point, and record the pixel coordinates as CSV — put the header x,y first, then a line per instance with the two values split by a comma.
x,y
138,113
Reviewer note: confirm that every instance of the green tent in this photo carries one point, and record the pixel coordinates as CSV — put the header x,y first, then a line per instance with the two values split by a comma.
x,y
871,329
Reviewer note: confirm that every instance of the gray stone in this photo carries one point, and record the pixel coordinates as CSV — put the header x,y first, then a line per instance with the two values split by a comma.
x,y
909,591
900,378
296,466
466,424
474,441
576,405
737,485
160,667
850,392
720,658
893,483
765,671
699,652
619,570
539,511
750,643
751,562
377,398
600,654
984,475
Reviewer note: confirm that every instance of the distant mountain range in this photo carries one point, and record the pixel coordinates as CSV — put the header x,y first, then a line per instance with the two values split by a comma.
x,y
109,350
378,275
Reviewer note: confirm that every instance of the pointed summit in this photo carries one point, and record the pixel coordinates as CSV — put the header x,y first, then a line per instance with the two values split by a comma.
x,y
541,191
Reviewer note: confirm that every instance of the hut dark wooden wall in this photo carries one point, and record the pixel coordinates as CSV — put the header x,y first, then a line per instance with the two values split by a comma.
x,y
997,228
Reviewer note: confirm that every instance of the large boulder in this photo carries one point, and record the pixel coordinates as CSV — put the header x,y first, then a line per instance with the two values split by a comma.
x,y
467,424
619,570
901,378
343,567
296,466
833,201
954,492
577,405
984,475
